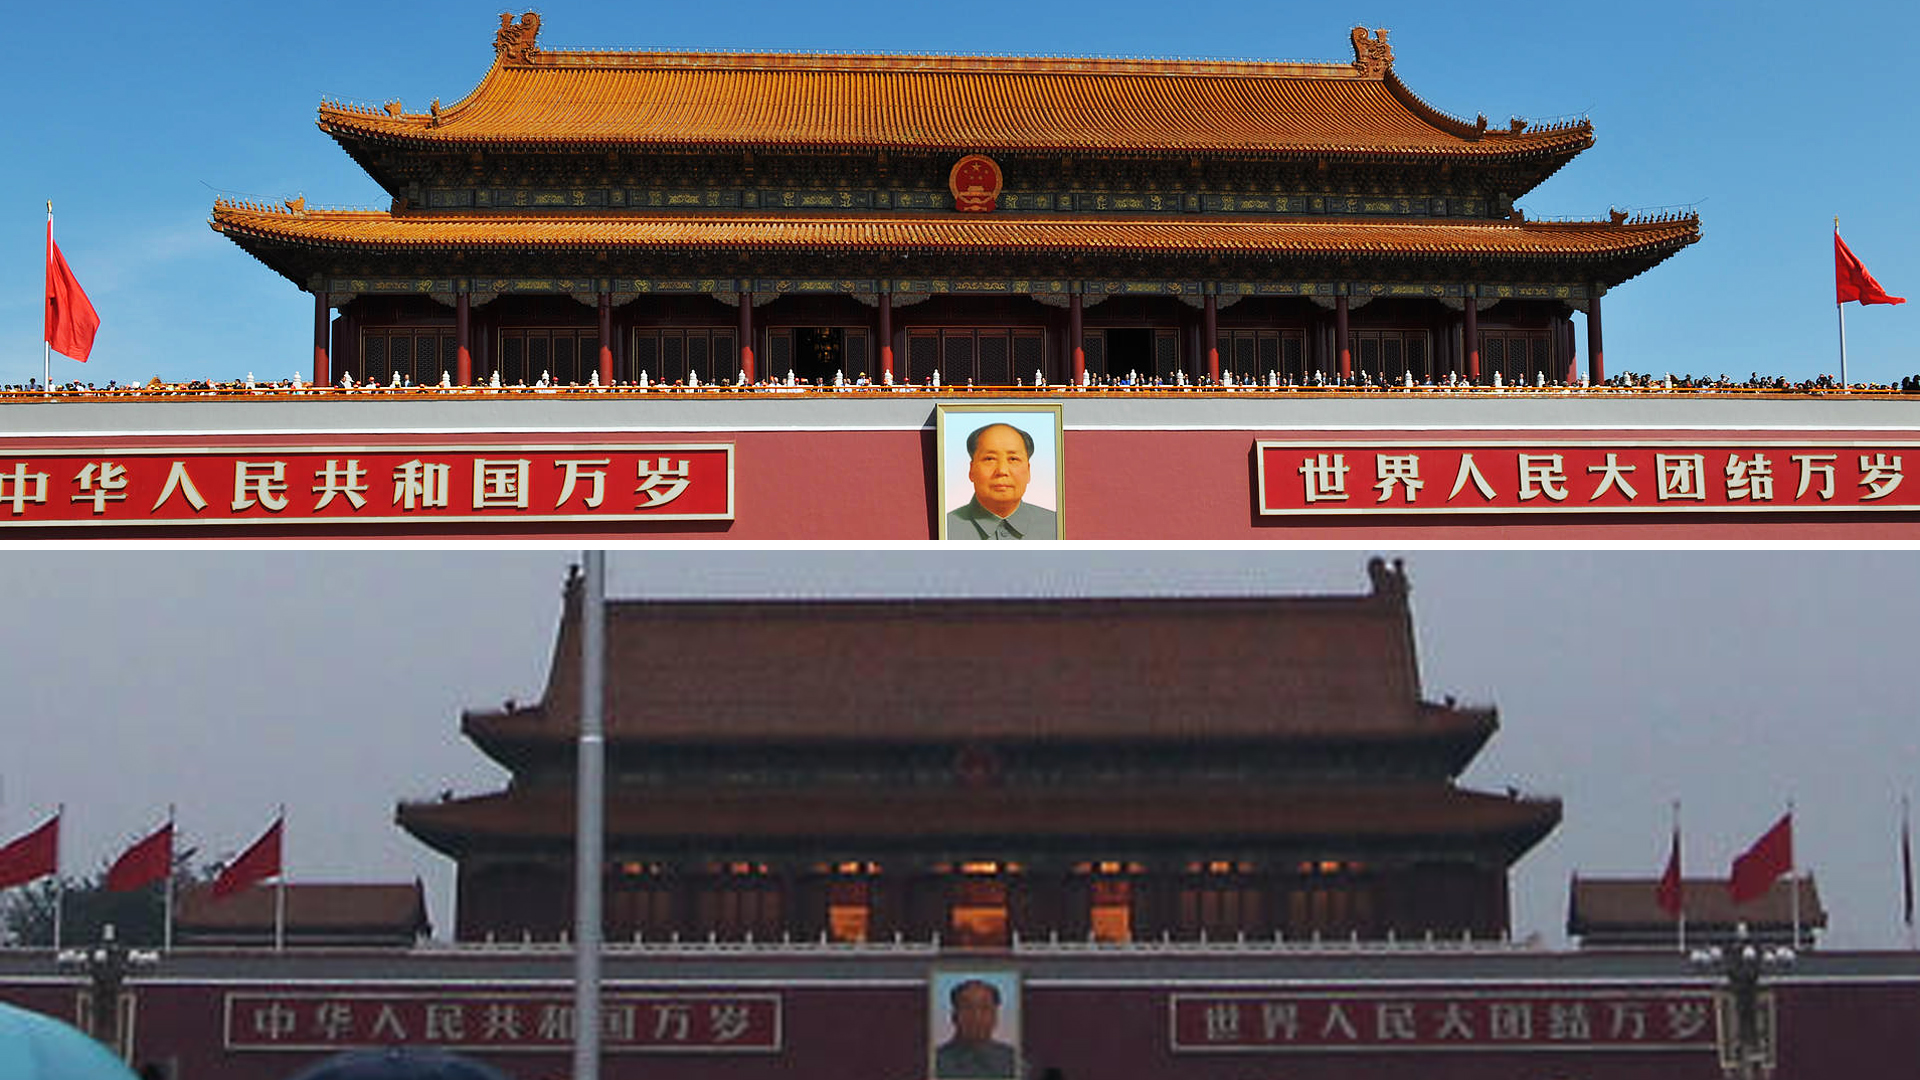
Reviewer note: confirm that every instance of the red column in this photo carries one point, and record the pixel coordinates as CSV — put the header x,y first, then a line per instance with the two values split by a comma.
x,y
1472,339
886,336
462,339
746,335
1210,334
321,340
1340,337
1596,361
1074,335
606,339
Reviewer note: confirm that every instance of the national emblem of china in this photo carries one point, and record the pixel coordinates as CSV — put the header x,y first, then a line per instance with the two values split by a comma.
x,y
975,183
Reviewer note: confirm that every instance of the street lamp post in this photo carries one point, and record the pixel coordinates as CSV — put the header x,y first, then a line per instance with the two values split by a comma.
x,y
107,966
1747,1036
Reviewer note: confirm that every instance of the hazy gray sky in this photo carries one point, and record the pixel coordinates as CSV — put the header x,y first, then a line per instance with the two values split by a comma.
x,y
230,682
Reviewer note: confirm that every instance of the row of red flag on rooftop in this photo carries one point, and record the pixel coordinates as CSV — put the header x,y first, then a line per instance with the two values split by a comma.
x,y
36,855
1769,859
1754,870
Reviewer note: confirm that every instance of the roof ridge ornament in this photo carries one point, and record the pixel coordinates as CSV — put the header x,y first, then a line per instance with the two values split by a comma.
x,y
1371,55
1389,579
515,42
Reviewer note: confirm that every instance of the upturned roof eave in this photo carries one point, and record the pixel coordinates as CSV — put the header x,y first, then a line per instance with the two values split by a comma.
x,y
259,228
1563,145
1512,826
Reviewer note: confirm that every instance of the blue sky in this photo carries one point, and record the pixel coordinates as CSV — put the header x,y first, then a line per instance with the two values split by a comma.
x,y
1770,118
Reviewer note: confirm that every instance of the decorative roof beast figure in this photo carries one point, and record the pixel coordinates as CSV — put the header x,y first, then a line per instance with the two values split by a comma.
x,y
515,41
1372,55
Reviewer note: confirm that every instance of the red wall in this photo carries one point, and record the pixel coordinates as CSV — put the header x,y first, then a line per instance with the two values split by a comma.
x,y
1158,485
843,1026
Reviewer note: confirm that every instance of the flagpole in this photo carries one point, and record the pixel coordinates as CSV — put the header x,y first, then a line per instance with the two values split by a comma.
x,y
1793,872
1682,922
166,930
1840,309
47,346
280,888
59,883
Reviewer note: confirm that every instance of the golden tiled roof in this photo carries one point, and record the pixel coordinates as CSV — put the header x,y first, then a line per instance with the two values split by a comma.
x,y
947,103
952,233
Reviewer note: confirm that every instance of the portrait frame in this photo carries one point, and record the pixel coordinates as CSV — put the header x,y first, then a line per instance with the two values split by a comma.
x,y
952,489
941,983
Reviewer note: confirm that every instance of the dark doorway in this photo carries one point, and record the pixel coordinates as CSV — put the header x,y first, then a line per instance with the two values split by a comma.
x,y
818,352
1130,349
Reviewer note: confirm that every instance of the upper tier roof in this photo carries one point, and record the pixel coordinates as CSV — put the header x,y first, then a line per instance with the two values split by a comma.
x,y
1319,667
533,99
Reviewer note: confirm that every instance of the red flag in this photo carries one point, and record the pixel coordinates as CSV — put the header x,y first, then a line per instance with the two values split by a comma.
x,y
1769,857
1669,894
71,320
31,857
255,865
144,863
1851,280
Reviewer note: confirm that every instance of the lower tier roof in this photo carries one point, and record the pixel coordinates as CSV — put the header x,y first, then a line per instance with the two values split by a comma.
x,y
1090,818
1603,251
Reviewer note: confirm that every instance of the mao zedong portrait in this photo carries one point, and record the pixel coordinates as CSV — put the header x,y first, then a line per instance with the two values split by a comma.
x,y
1000,463
973,1053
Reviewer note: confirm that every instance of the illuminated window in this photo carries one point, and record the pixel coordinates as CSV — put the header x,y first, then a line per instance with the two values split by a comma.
x,y
1110,916
978,914
849,911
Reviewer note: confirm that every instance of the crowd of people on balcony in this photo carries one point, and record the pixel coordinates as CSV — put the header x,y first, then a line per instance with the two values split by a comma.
x,y
1630,382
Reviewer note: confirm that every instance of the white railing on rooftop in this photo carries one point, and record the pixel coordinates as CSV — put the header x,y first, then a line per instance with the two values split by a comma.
x,y
1051,945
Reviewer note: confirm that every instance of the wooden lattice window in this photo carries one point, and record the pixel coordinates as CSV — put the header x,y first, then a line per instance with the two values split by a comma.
x,y
672,355
417,354
1520,356
561,354
735,906
639,900
1392,353
1331,899
1253,355
982,357
1093,348
1221,907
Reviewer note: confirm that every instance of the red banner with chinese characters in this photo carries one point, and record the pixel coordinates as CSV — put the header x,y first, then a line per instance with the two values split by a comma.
x,y
1443,1020
184,485
632,1023
1572,476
